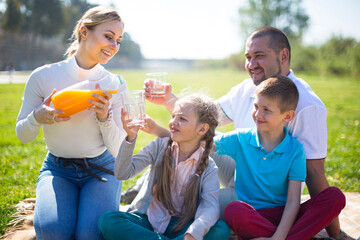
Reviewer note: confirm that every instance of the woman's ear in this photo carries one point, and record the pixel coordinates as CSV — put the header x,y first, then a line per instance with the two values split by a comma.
x,y
289,115
83,32
204,127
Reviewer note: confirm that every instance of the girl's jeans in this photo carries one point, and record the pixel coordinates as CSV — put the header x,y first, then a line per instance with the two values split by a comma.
x,y
70,201
115,225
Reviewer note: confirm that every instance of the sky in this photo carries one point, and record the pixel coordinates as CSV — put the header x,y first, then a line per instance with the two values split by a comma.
x,y
209,29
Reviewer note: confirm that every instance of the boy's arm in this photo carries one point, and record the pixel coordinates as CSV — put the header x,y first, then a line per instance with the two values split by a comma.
x,y
152,128
291,210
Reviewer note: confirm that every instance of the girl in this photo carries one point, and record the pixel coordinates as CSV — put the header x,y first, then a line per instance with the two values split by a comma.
x,y
179,199
71,195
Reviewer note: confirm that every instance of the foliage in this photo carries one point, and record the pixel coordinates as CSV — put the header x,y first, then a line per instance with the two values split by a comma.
x,y
130,52
287,15
12,18
237,61
72,12
304,58
20,164
340,56
32,25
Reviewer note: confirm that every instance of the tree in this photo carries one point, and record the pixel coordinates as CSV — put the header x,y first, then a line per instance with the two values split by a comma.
x,y
12,19
47,18
73,10
287,15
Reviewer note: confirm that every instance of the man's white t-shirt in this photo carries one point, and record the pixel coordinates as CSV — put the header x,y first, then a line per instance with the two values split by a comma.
x,y
308,126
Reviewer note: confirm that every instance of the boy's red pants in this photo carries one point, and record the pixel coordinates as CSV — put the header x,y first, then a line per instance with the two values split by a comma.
x,y
314,215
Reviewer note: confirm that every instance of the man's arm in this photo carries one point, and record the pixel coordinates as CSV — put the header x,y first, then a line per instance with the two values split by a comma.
x,y
315,177
317,182
168,100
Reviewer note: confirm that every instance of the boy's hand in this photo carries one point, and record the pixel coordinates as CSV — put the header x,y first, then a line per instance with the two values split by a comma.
x,y
151,127
131,130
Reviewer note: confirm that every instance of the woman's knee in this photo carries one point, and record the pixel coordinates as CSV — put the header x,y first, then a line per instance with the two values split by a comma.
x,y
53,231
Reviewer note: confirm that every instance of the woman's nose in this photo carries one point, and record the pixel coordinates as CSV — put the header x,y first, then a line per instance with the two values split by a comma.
x,y
114,44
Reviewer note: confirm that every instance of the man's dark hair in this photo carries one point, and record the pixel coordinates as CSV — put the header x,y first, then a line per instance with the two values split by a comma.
x,y
278,40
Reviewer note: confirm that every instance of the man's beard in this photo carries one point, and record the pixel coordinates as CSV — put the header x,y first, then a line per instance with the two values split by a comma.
x,y
258,81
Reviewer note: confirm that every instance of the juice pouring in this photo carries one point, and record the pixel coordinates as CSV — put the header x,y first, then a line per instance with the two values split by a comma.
x,y
76,98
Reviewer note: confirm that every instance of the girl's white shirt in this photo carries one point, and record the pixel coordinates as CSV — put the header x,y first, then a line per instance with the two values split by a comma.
x,y
81,136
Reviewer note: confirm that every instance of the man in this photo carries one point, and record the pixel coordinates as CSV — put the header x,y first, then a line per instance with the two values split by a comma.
x,y
268,54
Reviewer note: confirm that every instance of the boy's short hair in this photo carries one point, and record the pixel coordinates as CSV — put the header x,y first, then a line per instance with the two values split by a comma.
x,y
281,88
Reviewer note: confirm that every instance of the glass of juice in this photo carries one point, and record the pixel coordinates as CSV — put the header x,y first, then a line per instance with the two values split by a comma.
x,y
76,98
134,105
157,82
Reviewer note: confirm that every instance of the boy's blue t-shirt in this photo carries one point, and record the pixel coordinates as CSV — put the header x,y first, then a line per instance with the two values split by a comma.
x,y
262,178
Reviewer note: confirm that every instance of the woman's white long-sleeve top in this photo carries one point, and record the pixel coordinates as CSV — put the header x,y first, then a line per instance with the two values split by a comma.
x,y
81,136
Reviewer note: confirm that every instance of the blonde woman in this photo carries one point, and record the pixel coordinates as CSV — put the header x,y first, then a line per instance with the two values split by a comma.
x,y
76,183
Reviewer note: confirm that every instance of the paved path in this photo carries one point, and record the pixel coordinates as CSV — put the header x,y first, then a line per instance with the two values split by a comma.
x,y
17,77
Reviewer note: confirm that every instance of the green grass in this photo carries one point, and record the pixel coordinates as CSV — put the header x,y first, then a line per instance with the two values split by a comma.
x,y
20,164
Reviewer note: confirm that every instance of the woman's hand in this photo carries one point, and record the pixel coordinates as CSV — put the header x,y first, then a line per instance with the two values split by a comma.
x,y
47,115
188,236
131,130
101,106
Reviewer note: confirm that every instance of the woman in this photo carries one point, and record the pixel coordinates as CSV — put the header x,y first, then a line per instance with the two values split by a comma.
x,y
76,184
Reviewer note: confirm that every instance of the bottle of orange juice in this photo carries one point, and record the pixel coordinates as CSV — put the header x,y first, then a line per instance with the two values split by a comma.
x,y
76,98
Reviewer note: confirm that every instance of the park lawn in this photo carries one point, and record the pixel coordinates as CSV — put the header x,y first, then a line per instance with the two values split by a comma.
x,y
20,164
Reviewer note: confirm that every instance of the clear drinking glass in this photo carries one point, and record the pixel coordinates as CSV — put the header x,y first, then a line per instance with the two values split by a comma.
x,y
157,82
134,105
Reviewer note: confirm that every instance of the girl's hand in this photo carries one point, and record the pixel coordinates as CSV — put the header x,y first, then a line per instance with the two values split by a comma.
x,y
156,100
100,107
131,130
47,115
262,238
188,236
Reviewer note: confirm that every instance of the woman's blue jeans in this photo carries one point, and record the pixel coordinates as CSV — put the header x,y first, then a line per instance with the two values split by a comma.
x,y
70,201
115,225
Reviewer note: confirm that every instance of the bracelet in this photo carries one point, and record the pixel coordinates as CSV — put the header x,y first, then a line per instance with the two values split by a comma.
x,y
341,235
106,122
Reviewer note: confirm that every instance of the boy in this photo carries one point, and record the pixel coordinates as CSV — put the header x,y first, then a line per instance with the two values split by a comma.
x,y
270,166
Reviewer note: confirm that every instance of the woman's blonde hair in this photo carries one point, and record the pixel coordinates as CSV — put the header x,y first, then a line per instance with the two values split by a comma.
x,y
206,112
92,17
